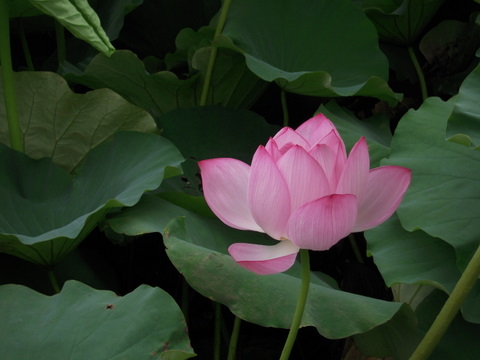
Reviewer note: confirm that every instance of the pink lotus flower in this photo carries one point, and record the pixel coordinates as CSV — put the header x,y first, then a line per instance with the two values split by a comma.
x,y
302,190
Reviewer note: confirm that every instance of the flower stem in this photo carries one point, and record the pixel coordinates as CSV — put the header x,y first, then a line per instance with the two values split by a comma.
x,y
232,347
16,136
52,278
25,48
283,97
449,310
213,53
61,47
418,69
302,300
355,249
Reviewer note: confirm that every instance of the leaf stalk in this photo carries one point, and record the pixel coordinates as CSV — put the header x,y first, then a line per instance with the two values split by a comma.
x,y
449,309
419,71
302,300
16,136
213,53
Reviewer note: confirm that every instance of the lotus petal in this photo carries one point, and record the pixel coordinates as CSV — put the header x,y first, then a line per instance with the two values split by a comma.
x,y
304,176
268,196
385,189
320,224
289,136
263,259
355,174
225,186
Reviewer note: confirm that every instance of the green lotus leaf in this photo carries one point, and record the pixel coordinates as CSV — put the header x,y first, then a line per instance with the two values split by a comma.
x,y
405,257
443,198
464,122
65,126
319,48
232,84
461,338
400,21
84,323
396,339
112,14
80,19
22,8
206,132
46,212
197,247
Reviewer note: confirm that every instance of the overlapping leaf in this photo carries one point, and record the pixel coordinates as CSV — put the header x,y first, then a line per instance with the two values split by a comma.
x,y
22,8
80,19
81,322
320,48
47,212
65,126
444,196
267,300
464,122
197,246
460,339
212,131
417,258
400,21
233,85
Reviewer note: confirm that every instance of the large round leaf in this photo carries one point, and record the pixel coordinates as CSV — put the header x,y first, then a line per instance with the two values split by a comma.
x,y
461,338
197,246
417,258
84,323
64,126
80,19
153,213
212,131
443,198
47,212
232,83
464,123
198,250
321,48
400,21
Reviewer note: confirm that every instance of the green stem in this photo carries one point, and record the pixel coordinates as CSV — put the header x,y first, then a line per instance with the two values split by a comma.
x,y
283,98
213,54
449,310
185,299
302,300
217,337
16,136
25,48
53,279
355,249
61,47
418,69
232,347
